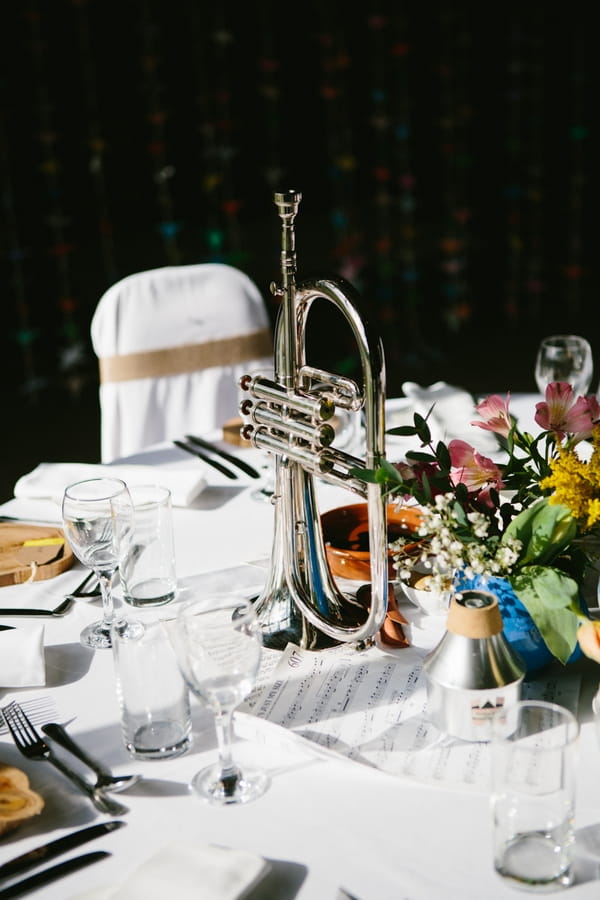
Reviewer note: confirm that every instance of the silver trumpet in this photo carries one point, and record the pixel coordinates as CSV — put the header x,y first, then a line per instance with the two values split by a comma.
x,y
290,417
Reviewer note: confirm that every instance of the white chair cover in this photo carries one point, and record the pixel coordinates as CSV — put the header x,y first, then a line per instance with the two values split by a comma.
x,y
172,344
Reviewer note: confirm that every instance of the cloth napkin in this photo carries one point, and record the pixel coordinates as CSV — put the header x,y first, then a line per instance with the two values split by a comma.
x,y
49,480
188,872
451,416
22,661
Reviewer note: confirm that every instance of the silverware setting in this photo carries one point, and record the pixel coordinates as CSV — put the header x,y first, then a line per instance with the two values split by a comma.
x,y
80,590
63,607
61,845
18,888
205,458
105,780
33,746
229,457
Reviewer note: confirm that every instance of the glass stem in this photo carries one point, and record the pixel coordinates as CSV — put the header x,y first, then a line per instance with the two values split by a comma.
x,y
105,582
224,728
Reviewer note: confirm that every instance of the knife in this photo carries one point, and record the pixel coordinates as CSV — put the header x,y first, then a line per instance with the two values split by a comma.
x,y
51,874
230,457
205,458
55,848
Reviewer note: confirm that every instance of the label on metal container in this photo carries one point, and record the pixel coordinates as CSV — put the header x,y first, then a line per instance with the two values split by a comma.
x,y
467,714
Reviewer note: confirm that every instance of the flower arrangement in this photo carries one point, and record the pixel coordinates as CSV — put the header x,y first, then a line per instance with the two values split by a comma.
x,y
530,520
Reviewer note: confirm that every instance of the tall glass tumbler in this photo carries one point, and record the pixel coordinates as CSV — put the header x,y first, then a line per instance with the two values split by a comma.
x,y
533,800
153,696
148,576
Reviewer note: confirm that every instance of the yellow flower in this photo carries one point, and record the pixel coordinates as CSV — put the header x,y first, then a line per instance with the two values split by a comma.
x,y
576,483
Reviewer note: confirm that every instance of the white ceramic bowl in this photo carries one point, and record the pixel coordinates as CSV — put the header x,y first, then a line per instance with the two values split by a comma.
x,y
431,602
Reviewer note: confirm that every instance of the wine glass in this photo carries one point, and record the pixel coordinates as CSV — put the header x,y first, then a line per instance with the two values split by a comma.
x,y
98,523
564,357
218,645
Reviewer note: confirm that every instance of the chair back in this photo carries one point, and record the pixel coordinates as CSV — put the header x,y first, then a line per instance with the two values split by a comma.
x,y
172,344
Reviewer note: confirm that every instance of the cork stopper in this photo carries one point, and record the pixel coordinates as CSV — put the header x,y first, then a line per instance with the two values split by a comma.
x,y
474,614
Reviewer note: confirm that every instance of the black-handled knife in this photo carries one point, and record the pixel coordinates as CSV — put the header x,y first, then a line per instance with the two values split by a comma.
x,y
211,462
55,848
230,457
47,875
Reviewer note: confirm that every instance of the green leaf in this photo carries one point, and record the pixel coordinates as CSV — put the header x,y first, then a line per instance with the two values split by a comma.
x,y
461,493
544,532
420,457
390,471
403,430
443,456
422,429
552,600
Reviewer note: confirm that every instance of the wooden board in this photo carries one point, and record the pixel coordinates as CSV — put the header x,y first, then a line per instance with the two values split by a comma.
x,y
32,552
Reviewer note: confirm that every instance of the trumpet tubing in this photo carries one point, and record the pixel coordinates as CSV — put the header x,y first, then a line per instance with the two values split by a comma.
x,y
291,417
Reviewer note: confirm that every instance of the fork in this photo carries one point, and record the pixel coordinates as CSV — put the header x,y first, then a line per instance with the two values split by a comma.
x,y
33,746
80,590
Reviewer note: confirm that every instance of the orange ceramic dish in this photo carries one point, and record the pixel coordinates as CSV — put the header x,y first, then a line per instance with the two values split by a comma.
x,y
346,536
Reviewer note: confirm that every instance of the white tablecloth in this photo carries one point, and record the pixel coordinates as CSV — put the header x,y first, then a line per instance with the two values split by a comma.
x,y
323,823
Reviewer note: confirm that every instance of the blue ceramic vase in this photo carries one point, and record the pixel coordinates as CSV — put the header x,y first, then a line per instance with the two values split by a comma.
x,y
519,628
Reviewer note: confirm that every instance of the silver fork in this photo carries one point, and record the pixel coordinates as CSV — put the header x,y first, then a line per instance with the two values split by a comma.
x,y
33,746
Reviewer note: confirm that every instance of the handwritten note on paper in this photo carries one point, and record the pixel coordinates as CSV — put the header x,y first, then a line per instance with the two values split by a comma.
x,y
371,707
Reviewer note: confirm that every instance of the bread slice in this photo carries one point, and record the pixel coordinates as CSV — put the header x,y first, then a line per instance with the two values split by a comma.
x,y
17,801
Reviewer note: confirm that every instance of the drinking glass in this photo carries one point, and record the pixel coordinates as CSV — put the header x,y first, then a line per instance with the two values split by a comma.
x,y
534,766
98,521
218,645
564,357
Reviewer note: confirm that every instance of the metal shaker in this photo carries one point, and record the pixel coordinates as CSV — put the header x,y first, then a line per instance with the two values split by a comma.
x,y
473,670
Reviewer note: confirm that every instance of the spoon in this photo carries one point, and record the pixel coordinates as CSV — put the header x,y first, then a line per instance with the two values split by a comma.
x,y
106,780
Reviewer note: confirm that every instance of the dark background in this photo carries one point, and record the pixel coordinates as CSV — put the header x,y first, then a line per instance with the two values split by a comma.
x,y
446,152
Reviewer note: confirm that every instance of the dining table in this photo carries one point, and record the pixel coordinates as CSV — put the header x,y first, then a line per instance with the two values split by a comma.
x,y
334,823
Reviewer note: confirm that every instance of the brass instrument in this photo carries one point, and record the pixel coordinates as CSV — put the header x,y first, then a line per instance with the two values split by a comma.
x,y
290,416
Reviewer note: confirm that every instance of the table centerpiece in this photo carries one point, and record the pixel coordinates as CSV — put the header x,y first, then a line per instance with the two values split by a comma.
x,y
524,528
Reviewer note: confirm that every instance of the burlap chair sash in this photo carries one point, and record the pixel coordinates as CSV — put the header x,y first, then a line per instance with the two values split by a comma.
x,y
186,358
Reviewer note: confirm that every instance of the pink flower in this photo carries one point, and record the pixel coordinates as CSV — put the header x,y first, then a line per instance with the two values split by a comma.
x,y
594,408
478,473
589,639
561,413
494,411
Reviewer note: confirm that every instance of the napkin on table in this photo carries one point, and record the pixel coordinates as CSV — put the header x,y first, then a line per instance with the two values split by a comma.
x,y
22,661
188,872
451,416
49,480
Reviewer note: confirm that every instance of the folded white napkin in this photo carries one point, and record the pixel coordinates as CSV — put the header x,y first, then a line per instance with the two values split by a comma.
x,y
22,661
451,416
188,872
49,480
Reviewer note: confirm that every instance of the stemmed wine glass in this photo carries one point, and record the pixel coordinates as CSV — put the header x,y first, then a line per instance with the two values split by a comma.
x,y
564,357
218,645
98,523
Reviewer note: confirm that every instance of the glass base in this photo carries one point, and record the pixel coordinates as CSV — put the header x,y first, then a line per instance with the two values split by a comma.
x,y
238,787
534,861
152,592
159,740
97,635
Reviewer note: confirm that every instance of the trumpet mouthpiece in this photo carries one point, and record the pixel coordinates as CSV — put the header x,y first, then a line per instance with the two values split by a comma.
x,y
287,203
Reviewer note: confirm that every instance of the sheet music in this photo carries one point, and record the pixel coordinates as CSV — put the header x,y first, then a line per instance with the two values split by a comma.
x,y
371,707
